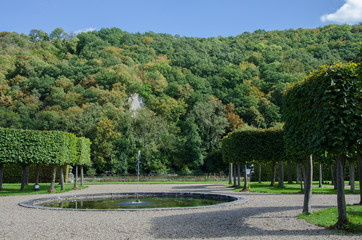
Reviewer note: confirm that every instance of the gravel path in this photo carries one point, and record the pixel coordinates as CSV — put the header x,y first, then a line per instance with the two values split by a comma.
x,y
264,216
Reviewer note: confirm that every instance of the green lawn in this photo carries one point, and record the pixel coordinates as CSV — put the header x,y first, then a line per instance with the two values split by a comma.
x,y
264,187
294,188
10,189
201,182
328,217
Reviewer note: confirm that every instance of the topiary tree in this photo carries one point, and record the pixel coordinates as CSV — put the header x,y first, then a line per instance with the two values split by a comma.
x,y
84,154
244,146
27,147
70,155
323,113
296,137
30,147
229,156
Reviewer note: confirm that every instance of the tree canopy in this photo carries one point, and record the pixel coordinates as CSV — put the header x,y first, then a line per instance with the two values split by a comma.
x,y
253,145
195,90
323,113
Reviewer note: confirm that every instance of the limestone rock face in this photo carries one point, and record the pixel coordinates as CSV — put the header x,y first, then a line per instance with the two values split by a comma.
x,y
136,103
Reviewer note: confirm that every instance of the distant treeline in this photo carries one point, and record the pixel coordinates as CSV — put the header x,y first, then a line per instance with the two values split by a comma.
x,y
196,90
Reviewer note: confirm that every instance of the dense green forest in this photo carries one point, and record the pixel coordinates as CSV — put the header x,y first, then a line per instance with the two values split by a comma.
x,y
196,90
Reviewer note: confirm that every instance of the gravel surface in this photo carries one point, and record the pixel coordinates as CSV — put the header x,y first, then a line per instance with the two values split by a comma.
x,y
264,216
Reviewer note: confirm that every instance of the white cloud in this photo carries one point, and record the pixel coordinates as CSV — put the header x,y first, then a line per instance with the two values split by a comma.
x,y
84,30
350,13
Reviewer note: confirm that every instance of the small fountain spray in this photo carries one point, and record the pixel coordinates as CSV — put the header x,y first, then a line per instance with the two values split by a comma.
x,y
138,174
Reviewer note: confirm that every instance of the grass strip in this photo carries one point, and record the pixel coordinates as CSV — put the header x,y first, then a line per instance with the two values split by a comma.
x,y
104,183
264,187
328,217
11,189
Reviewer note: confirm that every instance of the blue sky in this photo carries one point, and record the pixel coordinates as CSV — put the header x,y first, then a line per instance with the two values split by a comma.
x,y
197,18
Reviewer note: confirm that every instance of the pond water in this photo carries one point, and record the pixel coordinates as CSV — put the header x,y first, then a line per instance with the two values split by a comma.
x,y
133,203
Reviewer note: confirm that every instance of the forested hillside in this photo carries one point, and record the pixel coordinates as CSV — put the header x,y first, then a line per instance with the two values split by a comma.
x,y
195,89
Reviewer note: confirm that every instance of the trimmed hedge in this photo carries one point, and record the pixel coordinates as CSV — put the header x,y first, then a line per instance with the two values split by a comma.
x,y
253,145
27,147
324,111
84,151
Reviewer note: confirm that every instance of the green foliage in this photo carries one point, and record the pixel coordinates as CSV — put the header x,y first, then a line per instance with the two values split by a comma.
x,y
62,82
84,151
328,105
190,152
324,113
211,121
214,164
72,150
27,147
253,145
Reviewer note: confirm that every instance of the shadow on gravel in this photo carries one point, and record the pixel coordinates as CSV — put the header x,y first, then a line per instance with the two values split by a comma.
x,y
228,223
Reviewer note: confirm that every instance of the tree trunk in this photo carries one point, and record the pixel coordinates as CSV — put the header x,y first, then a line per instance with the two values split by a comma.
x,y
27,175
37,173
230,173
259,172
76,178
302,174
341,201
245,188
335,176
52,185
308,185
351,175
234,174
297,170
332,174
81,176
290,177
360,177
1,176
320,174
273,174
23,179
281,175
238,169
61,178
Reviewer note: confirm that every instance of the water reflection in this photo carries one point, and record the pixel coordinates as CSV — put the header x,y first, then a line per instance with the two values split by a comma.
x,y
132,203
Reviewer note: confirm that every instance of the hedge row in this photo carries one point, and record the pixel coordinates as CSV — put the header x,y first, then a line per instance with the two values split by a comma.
x,y
253,145
26,147
323,112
